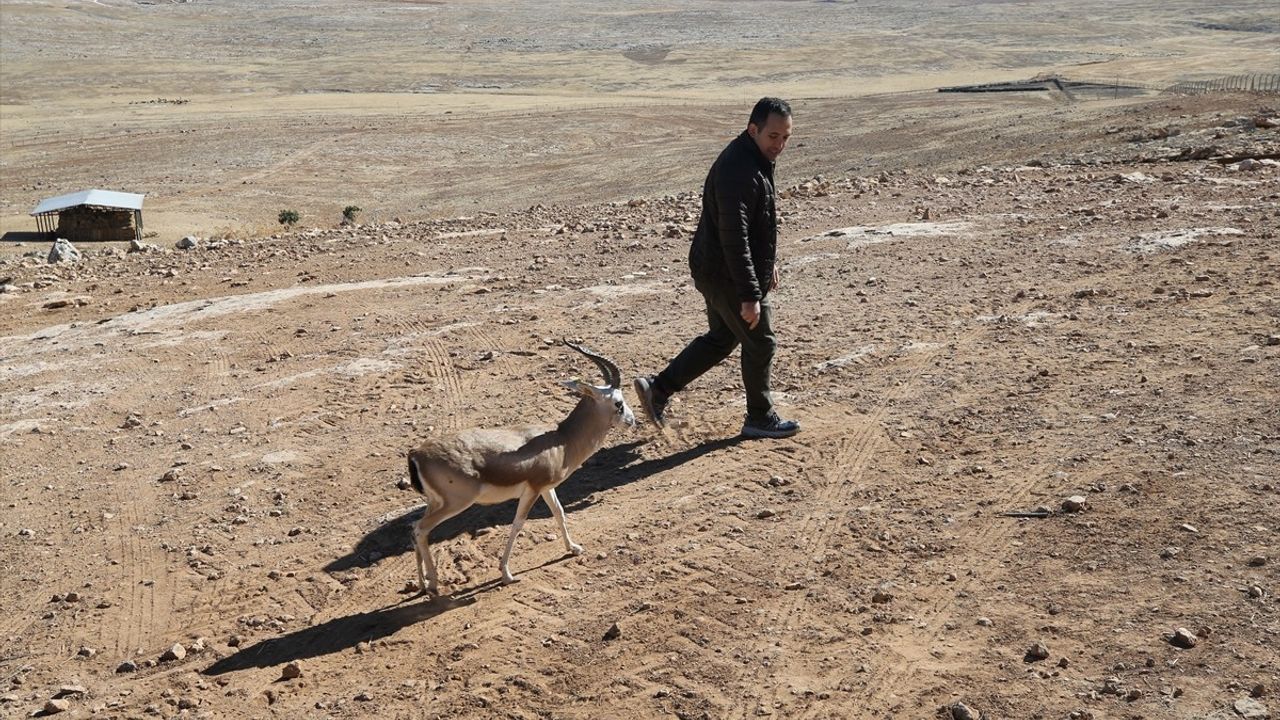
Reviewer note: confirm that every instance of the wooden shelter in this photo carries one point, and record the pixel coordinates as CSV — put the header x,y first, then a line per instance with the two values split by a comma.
x,y
91,216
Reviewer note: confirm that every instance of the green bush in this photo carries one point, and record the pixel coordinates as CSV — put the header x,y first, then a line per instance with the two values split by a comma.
x,y
288,217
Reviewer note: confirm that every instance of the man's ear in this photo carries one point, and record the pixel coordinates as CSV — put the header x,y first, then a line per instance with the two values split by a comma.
x,y
752,130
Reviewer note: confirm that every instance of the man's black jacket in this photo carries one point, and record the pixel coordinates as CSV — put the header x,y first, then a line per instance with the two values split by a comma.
x,y
735,246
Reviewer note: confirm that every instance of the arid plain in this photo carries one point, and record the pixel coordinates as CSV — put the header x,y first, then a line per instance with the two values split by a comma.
x,y
991,303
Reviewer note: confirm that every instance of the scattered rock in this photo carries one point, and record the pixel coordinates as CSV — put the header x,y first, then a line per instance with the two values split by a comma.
x,y
984,621
960,711
187,243
1183,638
291,671
78,301
127,666
1251,709
404,484
613,633
766,513
57,705
1255,591
1038,651
86,651
880,597
63,252
70,691
1258,561
177,652
1075,503
363,697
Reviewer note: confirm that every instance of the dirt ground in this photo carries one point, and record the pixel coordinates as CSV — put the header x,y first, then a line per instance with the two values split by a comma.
x,y
1033,340
205,448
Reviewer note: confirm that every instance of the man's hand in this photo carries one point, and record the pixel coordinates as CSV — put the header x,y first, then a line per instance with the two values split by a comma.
x,y
773,282
750,313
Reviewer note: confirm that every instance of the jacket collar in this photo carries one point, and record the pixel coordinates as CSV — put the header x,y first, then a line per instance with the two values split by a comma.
x,y
749,145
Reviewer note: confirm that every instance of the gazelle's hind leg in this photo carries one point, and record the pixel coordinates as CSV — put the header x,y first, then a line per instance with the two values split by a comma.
x,y
553,502
421,529
522,512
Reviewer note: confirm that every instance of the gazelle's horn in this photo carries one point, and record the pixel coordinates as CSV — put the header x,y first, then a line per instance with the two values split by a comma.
x,y
611,374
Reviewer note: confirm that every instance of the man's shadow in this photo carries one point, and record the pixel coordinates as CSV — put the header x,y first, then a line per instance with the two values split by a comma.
x,y
609,468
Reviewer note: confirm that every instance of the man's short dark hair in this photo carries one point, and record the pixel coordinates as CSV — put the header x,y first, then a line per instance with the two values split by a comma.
x,y
767,106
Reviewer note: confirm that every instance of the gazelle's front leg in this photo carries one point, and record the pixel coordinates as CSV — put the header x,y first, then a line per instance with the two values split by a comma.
x,y
522,512
553,502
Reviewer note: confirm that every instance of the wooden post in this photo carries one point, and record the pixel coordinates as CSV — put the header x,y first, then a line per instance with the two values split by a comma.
x,y
137,225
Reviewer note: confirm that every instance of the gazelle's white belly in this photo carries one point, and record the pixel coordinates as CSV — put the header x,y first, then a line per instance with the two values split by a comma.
x,y
494,494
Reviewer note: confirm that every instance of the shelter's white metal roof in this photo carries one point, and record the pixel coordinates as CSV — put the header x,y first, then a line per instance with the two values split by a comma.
x,y
100,198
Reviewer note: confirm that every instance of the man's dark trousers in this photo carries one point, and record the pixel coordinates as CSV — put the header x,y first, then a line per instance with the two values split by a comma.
x,y
727,330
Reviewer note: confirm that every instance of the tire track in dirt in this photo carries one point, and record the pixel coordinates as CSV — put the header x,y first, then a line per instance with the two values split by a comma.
x,y
138,608
843,459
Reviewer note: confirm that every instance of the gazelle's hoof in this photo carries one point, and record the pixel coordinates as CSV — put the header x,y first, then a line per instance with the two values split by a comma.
x,y
508,578
575,548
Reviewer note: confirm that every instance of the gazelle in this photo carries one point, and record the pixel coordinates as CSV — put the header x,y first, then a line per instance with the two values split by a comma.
x,y
490,466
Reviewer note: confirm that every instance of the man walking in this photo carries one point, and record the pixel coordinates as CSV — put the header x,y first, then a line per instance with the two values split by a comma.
x,y
733,262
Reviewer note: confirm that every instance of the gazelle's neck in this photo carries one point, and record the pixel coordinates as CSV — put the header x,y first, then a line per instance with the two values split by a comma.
x,y
583,431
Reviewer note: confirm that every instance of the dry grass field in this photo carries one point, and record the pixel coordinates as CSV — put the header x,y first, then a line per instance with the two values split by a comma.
x,y
990,303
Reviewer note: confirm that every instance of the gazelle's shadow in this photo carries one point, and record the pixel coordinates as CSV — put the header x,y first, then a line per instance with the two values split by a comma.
x,y
611,467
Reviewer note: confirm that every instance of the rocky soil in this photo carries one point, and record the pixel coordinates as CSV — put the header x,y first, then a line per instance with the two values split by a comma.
x,y
1039,475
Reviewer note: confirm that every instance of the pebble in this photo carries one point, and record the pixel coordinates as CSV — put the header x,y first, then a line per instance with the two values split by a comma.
x,y
177,652
1251,709
984,621
55,706
404,484
127,666
363,697
1075,503
1258,561
1183,638
1255,591
766,513
1037,651
86,651
1188,528
881,597
960,711
70,690
291,671
613,633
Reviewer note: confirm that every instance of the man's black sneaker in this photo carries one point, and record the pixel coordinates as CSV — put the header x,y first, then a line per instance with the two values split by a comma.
x,y
771,427
652,400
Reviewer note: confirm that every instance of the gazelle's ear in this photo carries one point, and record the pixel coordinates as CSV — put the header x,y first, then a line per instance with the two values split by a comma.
x,y
578,388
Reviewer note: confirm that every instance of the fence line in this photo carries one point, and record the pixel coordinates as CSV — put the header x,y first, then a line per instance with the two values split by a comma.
x,y
1268,83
